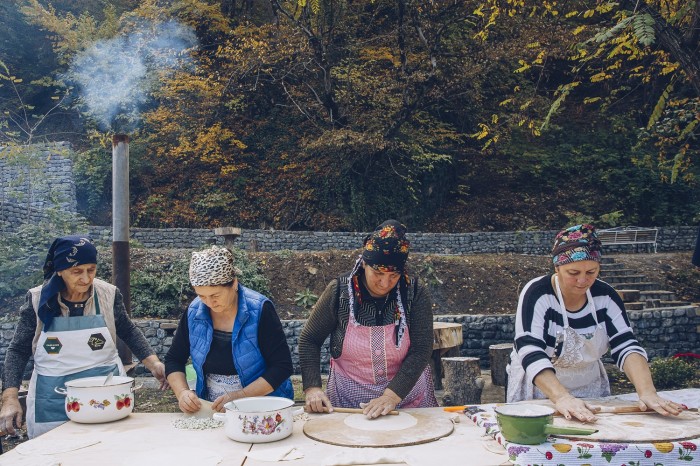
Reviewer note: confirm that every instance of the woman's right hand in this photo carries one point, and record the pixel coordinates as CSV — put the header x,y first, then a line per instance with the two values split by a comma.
x,y
569,406
188,401
10,414
317,401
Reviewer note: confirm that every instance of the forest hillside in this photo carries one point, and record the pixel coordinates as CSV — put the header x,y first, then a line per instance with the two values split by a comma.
x,y
469,115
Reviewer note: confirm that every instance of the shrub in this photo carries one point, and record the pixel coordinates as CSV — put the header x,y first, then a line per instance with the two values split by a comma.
x,y
672,373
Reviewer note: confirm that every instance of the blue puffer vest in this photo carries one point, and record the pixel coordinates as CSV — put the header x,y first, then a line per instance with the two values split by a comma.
x,y
247,358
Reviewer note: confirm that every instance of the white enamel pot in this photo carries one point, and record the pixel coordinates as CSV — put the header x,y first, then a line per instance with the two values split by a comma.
x,y
88,401
258,419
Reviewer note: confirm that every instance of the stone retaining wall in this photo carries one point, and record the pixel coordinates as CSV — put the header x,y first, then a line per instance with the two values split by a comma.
x,y
676,238
36,179
662,333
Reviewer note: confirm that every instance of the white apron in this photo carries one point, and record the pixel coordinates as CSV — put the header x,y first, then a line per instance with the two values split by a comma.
x,y
578,366
71,348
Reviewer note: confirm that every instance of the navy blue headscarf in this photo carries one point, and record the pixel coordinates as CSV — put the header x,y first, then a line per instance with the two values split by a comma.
x,y
64,253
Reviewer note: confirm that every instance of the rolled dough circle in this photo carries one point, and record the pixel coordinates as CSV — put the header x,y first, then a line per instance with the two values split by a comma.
x,y
382,423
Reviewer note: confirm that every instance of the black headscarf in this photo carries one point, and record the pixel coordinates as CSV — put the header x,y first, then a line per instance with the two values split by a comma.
x,y
64,253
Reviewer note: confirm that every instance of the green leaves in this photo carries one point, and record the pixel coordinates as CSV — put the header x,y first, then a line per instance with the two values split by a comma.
x,y
643,27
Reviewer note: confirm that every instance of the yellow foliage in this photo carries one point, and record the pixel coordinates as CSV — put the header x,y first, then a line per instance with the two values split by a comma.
x,y
598,77
579,30
588,13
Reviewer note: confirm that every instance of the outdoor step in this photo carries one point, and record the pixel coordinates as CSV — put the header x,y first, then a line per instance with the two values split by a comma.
x,y
676,311
625,279
641,286
613,266
657,294
616,272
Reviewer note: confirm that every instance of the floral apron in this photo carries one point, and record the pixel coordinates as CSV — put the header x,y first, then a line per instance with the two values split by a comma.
x,y
578,366
71,348
368,362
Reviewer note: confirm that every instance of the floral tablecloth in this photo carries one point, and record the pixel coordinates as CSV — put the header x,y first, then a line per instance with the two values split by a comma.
x,y
563,452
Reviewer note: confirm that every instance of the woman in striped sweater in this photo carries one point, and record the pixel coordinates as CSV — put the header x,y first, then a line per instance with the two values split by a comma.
x,y
565,323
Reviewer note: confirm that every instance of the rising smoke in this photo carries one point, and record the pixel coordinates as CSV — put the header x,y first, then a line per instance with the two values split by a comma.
x,y
115,77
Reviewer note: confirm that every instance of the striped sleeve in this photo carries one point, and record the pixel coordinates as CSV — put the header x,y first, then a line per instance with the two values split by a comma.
x,y
617,324
533,342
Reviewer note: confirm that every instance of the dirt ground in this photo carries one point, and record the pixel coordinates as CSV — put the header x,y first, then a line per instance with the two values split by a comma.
x,y
470,284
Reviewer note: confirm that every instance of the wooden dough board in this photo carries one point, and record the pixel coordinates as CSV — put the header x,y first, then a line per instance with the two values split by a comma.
x,y
331,428
633,428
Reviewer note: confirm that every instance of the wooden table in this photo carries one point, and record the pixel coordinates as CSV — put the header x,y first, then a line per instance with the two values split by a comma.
x,y
447,339
151,439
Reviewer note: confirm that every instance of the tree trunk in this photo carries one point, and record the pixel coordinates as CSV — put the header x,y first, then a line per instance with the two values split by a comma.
x,y
463,382
499,357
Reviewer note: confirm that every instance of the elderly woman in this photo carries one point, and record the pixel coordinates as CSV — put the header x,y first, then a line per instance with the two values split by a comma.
x,y
565,323
60,322
233,335
381,327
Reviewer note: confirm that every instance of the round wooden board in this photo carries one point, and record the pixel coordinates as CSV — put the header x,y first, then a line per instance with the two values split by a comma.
x,y
638,428
633,428
331,428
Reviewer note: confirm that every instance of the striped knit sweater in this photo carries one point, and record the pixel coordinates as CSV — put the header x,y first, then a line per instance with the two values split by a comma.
x,y
539,319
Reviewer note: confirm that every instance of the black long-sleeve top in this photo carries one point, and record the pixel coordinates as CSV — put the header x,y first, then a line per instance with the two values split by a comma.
x,y
219,360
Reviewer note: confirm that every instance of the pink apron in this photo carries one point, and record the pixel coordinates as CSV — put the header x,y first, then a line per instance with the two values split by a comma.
x,y
368,362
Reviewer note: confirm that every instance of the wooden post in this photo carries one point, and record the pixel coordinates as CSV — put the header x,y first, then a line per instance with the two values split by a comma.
x,y
499,357
229,233
463,382
447,339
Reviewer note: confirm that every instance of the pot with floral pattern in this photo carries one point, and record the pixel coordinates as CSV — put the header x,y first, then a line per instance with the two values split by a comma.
x,y
88,401
259,419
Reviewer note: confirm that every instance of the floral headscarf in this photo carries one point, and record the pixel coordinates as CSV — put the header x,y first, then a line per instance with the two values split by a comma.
x,y
577,243
386,249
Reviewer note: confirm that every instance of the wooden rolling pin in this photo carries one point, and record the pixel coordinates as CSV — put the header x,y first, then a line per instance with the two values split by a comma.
x,y
358,411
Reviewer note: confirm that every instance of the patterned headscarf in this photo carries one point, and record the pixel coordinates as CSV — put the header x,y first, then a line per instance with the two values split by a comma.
x,y
212,267
64,253
577,243
386,249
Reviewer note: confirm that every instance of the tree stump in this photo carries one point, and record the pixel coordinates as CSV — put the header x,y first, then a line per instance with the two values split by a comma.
x,y
463,382
499,357
447,340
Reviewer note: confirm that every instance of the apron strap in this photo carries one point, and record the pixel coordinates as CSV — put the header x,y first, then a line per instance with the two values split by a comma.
x,y
564,312
97,302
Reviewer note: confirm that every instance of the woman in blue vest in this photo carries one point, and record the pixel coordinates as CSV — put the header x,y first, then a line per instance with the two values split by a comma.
x,y
233,335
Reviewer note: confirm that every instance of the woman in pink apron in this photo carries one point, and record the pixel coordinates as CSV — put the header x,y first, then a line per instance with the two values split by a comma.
x,y
70,325
381,333
565,323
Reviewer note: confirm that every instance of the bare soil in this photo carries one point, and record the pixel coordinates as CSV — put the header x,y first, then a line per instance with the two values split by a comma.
x,y
470,284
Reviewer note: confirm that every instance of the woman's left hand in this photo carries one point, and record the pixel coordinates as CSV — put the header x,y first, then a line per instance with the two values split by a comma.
x,y
380,406
660,405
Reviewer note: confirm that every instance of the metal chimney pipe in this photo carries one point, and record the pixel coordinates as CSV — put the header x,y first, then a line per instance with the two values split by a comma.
x,y
120,228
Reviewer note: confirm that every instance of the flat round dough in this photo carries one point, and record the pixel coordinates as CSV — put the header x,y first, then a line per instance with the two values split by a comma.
x,y
382,423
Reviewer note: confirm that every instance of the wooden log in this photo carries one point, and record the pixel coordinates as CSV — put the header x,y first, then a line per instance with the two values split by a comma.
x,y
499,357
463,381
447,340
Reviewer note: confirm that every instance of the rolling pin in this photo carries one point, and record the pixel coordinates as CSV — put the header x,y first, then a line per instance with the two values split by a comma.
x,y
358,411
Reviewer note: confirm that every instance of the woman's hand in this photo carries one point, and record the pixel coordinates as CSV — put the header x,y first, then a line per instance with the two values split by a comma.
x,y
188,401
11,412
317,401
218,404
157,369
381,406
570,406
660,405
